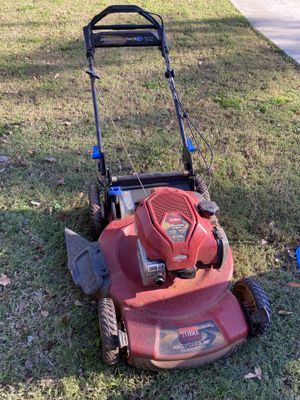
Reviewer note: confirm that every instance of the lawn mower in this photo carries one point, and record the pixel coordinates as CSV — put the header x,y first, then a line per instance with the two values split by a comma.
x,y
161,265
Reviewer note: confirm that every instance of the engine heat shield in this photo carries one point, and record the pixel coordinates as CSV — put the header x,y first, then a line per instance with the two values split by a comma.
x,y
171,229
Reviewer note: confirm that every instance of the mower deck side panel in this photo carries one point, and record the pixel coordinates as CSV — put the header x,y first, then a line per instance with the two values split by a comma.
x,y
183,319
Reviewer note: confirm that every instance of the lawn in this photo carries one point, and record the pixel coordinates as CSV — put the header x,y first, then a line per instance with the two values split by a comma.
x,y
243,93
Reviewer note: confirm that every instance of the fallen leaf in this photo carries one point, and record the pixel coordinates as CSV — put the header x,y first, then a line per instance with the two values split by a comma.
x,y
200,61
4,159
66,123
78,303
257,374
29,339
4,280
264,241
12,92
294,284
285,312
227,114
291,253
250,375
44,313
49,159
28,365
80,373
60,182
35,203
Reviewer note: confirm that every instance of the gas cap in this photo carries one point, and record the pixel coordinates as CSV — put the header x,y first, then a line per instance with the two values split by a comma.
x,y
207,208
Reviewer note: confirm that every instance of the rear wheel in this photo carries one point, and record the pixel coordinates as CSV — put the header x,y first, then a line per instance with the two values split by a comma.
x,y
108,331
96,211
255,304
201,187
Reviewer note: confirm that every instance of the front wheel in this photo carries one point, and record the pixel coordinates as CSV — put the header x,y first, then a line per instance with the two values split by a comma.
x,y
255,304
108,331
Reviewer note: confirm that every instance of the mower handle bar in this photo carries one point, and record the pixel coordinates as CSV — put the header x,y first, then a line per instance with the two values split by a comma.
x,y
125,9
130,35
125,30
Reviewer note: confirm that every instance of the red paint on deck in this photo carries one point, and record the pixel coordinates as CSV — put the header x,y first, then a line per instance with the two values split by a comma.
x,y
155,314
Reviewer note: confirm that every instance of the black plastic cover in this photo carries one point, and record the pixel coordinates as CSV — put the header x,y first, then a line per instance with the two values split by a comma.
x,y
86,264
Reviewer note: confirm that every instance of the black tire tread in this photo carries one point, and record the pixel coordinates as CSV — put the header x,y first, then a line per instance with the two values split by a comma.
x,y
262,301
96,217
108,331
201,187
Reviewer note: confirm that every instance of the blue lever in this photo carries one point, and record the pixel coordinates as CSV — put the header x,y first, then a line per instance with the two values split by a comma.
x,y
190,146
96,153
297,252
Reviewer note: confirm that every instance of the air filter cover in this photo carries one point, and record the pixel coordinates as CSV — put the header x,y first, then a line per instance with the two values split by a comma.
x,y
171,229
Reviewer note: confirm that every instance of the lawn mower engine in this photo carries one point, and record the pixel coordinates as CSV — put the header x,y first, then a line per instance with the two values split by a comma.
x,y
177,234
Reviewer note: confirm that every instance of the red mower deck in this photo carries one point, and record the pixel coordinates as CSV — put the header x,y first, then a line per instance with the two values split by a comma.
x,y
184,323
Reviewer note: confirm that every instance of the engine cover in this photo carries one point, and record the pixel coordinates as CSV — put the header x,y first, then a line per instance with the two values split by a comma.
x,y
171,229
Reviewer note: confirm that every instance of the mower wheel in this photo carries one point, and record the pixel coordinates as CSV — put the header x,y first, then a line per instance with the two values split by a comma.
x,y
108,331
201,187
96,212
255,304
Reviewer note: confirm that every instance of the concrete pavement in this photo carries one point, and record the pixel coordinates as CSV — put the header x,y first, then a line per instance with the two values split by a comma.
x,y
278,20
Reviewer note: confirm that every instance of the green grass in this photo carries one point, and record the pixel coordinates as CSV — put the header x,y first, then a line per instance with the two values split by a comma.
x,y
245,96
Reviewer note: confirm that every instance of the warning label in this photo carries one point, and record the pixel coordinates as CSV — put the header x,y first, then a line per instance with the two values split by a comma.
x,y
176,227
190,339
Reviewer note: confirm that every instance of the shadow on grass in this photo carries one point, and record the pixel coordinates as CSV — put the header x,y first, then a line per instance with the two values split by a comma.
x,y
213,34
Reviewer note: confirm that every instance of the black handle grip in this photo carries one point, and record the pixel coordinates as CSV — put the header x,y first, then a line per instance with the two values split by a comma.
x,y
125,9
116,8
